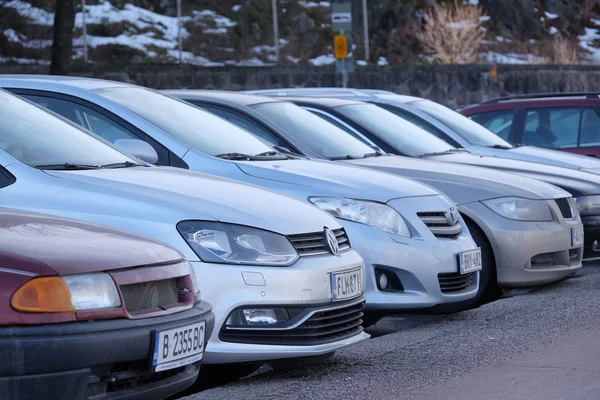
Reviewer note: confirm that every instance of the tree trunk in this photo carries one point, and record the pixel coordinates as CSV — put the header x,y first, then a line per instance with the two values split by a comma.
x,y
62,45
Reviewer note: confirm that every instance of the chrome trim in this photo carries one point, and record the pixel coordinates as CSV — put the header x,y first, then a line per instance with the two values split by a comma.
x,y
303,320
17,272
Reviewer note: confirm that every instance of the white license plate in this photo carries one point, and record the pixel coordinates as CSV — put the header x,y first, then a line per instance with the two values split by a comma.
x,y
178,347
470,261
577,236
346,285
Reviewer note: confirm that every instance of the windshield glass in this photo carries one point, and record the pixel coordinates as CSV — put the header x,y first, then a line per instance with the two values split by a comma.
x,y
320,136
37,137
405,137
196,128
469,130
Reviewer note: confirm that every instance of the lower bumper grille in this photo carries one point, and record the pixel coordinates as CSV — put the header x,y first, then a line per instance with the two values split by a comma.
x,y
455,282
320,328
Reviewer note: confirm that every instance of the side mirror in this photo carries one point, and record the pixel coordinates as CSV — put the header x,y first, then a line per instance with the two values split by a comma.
x,y
377,148
139,149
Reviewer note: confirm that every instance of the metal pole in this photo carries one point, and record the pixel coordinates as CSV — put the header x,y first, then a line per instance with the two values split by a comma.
x,y
179,39
275,30
366,30
85,49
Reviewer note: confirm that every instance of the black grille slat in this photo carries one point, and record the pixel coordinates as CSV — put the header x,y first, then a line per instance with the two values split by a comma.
x,y
314,243
320,328
453,283
139,297
564,206
439,226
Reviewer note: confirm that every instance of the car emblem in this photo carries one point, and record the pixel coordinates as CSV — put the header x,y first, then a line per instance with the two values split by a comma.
x,y
452,216
332,242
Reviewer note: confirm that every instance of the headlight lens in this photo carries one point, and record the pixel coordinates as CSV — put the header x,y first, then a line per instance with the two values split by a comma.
x,y
377,215
588,205
216,242
520,209
67,293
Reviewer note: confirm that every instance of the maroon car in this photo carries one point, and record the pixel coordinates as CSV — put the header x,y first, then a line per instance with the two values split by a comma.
x,y
92,312
561,121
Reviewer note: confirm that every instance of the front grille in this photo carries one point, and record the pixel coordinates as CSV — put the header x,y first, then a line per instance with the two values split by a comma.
x,y
565,207
146,296
453,283
312,244
320,328
439,225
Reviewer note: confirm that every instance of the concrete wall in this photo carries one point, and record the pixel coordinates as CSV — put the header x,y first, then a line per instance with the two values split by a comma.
x,y
448,84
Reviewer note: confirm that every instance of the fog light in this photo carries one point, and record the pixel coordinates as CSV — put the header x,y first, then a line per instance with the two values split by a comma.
x,y
383,281
257,317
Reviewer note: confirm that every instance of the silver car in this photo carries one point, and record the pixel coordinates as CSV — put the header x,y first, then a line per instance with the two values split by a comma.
x,y
385,216
528,248
278,272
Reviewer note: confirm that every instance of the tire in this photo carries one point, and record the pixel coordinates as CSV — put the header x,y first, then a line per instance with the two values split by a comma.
x,y
488,281
371,318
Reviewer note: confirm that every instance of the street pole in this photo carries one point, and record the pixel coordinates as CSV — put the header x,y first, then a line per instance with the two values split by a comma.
x,y
275,30
179,39
366,30
85,49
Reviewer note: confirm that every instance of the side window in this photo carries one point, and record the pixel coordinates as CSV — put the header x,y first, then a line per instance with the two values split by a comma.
x,y
499,122
246,124
590,128
554,128
85,117
6,178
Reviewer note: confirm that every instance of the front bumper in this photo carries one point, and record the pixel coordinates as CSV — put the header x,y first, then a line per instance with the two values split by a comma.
x,y
307,284
100,360
420,264
528,253
591,225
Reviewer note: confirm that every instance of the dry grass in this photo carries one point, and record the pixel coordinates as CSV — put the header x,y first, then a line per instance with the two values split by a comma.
x,y
564,52
453,34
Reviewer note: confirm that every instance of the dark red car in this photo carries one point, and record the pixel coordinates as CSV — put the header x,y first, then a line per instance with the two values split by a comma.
x,y
561,121
92,312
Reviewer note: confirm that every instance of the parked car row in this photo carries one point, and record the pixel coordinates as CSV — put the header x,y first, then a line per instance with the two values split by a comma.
x,y
146,234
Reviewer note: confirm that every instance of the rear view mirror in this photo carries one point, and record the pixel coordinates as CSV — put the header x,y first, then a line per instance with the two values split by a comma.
x,y
139,149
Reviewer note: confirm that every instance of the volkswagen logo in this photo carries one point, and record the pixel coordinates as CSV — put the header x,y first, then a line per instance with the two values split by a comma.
x,y
332,242
452,216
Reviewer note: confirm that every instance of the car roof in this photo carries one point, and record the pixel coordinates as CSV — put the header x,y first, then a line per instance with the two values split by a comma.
x,y
337,92
233,97
540,100
81,82
330,102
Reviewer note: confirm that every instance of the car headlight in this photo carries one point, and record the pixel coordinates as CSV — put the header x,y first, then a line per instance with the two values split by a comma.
x,y
67,293
520,209
370,213
195,281
216,242
588,205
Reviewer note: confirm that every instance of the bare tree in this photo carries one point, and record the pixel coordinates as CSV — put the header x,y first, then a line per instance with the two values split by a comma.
x,y
452,34
62,45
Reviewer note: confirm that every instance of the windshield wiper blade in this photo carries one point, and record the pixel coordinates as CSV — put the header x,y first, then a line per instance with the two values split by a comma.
x,y
439,153
125,164
500,146
346,157
375,154
67,166
268,153
235,156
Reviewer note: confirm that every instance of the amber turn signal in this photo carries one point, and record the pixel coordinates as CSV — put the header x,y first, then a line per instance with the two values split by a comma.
x,y
47,294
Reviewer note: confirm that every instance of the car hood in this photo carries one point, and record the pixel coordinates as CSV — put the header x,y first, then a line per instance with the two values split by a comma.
x,y
29,242
336,178
578,183
556,157
192,195
462,183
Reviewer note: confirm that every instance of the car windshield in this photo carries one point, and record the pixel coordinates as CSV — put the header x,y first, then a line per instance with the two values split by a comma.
x,y
405,137
469,130
320,136
196,128
38,138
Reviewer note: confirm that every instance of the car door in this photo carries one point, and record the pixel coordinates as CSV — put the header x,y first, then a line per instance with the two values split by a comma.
x,y
98,121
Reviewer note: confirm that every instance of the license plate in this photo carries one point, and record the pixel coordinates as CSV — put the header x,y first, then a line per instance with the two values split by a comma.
x,y
470,261
178,347
577,236
345,285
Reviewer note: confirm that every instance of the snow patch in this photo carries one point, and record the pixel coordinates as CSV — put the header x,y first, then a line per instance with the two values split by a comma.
x,y
474,2
322,60
553,30
382,62
361,63
236,8
312,4
550,15
29,61
492,57
34,14
587,42
13,36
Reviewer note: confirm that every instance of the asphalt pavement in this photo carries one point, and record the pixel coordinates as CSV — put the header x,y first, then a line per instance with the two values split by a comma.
x,y
540,344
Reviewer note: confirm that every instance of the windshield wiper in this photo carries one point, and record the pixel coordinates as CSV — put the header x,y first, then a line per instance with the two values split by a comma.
x,y
500,146
66,166
440,153
125,164
375,154
346,157
235,156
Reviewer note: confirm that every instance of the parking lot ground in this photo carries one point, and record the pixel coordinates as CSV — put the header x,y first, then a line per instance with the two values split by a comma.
x,y
537,345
